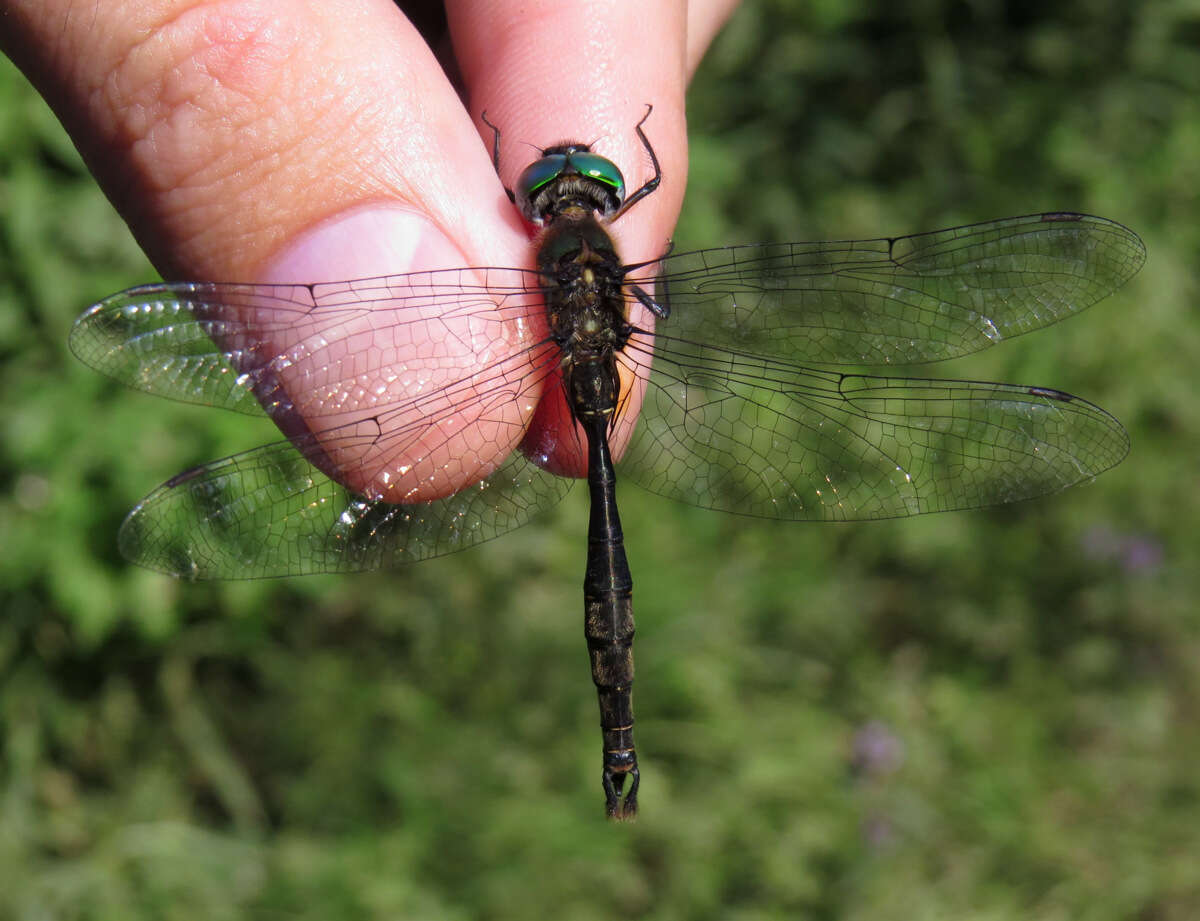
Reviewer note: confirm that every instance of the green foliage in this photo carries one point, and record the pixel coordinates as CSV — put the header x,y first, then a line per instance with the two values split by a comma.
x,y
983,715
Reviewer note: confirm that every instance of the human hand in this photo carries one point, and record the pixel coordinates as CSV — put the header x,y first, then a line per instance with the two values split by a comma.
x,y
300,142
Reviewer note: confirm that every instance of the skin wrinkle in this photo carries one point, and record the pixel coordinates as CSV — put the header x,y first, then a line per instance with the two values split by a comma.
x,y
73,68
187,126
199,89
156,112
118,91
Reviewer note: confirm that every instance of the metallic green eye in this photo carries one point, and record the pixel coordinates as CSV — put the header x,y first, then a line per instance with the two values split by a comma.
x,y
601,169
593,181
539,174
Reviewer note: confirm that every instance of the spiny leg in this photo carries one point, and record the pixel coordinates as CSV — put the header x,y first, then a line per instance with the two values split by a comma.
x,y
653,181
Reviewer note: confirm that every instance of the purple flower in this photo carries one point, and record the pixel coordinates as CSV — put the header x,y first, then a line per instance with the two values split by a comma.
x,y
876,750
1136,553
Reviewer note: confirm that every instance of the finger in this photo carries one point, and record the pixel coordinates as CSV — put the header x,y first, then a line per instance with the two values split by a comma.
x,y
705,18
585,72
300,142
223,130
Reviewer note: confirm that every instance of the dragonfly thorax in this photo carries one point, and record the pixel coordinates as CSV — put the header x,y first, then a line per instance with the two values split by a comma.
x,y
583,283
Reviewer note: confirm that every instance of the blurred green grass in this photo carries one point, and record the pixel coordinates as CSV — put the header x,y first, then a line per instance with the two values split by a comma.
x,y
979,715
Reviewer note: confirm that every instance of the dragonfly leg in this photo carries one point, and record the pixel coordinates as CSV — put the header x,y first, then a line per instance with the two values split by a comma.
x,y
652,183
496,153
660,310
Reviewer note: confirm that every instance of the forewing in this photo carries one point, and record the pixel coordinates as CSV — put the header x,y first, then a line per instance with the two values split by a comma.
x,y
228,345
900,300
754,436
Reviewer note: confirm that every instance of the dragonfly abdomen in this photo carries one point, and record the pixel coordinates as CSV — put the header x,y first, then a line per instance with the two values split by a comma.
x,y
608,625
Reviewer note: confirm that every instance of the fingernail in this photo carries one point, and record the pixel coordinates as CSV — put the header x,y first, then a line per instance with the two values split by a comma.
x,y
364,242
352,374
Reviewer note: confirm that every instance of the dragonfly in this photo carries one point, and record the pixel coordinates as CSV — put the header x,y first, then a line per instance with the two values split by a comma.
x,y
764,380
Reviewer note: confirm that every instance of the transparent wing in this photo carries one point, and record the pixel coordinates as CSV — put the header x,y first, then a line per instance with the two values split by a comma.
x,y
228,345
722,427
755,436
897,300
269,512
392,349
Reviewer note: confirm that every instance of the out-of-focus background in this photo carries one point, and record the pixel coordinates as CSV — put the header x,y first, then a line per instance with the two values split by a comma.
x,y
979,715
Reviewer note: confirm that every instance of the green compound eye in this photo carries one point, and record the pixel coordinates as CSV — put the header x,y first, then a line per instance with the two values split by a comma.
x,y
539,174
601,169
583,172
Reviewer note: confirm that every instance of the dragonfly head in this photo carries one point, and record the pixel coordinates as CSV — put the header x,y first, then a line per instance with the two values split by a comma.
x,y
569,175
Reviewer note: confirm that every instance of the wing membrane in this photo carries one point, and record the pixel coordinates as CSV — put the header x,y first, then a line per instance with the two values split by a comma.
x,y
269,512
900,300
227,345
733,418
755,436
